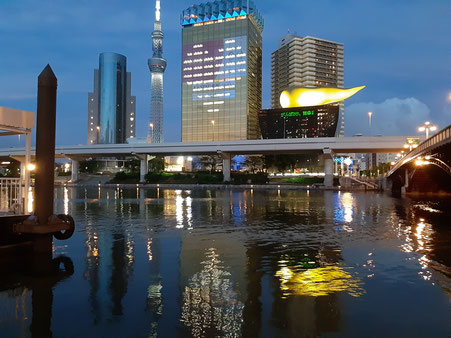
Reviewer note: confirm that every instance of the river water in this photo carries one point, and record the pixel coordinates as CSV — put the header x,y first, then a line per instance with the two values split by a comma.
x,y
252,263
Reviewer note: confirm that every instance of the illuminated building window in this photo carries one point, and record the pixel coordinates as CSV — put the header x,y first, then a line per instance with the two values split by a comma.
x,y
197,75
197,60
219,65
198,53
230,48
220,50
207,103
132,118
188,61
229,56
208,74
198,67
230,64
219,58
208,66
189,54
241,55
219,102
241,63
198,45
187,76
208,81
188,68
229,41
208,59
219,73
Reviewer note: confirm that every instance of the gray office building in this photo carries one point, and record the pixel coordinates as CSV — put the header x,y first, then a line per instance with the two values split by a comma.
x,y
221,71
307,62
111,108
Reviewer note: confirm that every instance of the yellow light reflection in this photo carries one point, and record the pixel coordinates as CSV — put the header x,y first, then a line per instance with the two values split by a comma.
x,y
66,201
318,282
30,201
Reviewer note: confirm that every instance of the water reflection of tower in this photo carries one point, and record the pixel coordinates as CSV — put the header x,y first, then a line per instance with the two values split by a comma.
x,y
154,300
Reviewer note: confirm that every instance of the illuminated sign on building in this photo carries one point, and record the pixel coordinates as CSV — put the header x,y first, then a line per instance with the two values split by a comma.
x,y
297,113
317,121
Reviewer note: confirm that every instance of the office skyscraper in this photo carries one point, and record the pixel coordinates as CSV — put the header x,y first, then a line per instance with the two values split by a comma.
x,y
221,71
111,108
307,62
157,66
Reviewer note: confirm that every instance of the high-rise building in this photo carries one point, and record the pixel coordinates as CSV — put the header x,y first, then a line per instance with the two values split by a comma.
x,y
307,62
221,71
111,108
157,66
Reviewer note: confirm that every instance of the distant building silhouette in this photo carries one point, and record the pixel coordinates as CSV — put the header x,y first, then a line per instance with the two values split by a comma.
x,y
111,108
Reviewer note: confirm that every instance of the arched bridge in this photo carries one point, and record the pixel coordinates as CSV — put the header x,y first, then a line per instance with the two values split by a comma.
x,y
426,168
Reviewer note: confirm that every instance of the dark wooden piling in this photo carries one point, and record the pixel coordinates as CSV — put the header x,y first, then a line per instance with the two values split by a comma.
x,y
45,153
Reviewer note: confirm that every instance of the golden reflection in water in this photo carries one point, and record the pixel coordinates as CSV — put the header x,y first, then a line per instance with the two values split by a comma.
x,y
321,281
30,200
66,201
210,304
179,209
149,249
189,212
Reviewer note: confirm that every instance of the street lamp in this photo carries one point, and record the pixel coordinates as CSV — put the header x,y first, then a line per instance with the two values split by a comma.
x,y
427,127
151,133
370,115
98,134
410,144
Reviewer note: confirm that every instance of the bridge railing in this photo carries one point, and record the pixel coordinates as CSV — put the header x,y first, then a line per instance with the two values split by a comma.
x,y
11,196
441,136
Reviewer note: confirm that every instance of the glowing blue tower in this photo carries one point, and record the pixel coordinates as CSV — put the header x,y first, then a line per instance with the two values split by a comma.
x,y
157,66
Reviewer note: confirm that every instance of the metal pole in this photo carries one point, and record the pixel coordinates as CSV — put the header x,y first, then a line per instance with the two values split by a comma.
x,y
45,144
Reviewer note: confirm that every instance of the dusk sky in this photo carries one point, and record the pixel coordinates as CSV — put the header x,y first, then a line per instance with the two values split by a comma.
x,y
401,50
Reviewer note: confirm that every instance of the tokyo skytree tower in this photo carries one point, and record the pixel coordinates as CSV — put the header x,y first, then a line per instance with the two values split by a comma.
x,y
157,66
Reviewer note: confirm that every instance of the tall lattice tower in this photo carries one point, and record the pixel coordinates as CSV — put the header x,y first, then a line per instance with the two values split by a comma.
x,y
157,66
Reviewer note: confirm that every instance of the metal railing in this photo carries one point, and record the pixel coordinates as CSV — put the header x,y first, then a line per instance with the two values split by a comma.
x,y
428,145
11,196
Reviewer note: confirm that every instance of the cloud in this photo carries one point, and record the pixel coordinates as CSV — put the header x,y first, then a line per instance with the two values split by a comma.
x,y
394,116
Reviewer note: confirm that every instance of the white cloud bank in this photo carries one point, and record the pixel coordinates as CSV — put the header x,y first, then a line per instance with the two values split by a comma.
x,y
392,117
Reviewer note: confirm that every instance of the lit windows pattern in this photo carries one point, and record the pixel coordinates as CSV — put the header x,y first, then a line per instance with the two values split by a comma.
x,y
216,81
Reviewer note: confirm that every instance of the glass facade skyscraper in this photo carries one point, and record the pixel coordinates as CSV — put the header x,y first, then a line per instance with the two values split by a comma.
x,y
111,108
221,71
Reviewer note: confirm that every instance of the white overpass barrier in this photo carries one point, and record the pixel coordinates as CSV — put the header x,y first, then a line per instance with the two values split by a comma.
x,y
11,196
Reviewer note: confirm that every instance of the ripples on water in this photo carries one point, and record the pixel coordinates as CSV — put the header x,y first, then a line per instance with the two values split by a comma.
x,y
207,263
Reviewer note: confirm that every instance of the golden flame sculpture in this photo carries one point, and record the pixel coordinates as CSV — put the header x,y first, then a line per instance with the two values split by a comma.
x,y
306,97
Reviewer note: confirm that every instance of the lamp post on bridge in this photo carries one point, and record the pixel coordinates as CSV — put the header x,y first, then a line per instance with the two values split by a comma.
x,y
427,127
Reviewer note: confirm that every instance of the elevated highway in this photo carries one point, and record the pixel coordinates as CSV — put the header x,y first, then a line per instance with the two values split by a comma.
x,y
327,145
